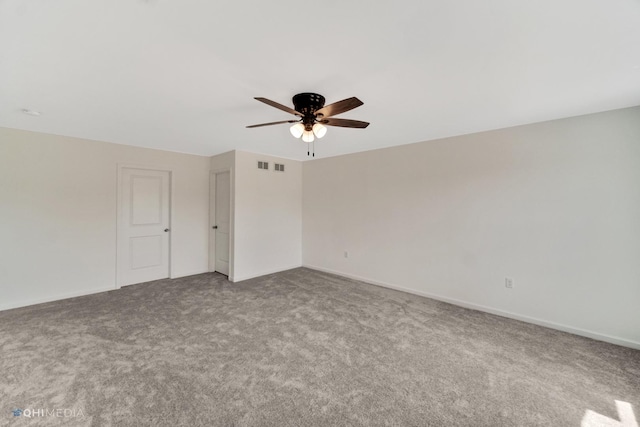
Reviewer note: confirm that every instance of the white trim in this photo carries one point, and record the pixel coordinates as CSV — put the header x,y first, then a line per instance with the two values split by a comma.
x,y
264,273
53,298
163,168
79,294
558,326
193,273
232,186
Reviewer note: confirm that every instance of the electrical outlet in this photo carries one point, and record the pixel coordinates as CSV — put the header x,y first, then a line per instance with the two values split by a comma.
x,y
346,254
508,282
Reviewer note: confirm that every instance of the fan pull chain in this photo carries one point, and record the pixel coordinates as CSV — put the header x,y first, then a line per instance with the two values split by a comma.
x,y
313,146
307,149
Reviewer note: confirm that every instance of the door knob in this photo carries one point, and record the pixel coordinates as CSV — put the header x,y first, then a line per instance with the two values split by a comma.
x,y
215,227
166,230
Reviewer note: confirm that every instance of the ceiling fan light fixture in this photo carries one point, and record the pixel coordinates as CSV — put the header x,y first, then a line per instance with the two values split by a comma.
x,y
319,130
312,116
297,130
307,136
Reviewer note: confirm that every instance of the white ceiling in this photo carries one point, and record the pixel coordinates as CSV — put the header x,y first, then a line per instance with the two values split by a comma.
x,y
181,75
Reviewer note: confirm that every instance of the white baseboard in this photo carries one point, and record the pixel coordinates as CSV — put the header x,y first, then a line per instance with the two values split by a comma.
x,y
193,273
560,327
58,297
264,273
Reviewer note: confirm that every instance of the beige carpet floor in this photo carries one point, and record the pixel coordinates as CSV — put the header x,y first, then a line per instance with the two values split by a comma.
x,y
298,348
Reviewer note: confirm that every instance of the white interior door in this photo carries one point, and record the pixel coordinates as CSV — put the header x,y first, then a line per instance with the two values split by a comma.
x,y
143,226
220,222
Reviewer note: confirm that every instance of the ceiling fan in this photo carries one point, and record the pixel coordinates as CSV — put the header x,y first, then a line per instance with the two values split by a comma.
x,y
313,115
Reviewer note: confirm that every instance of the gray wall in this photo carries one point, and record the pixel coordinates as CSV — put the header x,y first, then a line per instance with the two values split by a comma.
x,y
553,205
58,214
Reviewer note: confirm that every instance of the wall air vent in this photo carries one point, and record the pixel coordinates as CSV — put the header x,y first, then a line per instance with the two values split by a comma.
x,y
279,167
263,165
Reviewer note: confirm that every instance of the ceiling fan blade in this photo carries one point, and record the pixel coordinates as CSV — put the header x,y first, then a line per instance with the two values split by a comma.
x,y
339,107
273,123
279,106
344,123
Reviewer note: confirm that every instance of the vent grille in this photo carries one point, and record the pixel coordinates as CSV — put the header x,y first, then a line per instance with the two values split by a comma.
x,y
263,165
279,167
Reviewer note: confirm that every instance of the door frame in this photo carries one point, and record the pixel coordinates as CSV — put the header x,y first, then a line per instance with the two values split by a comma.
x,y
120,221
212,212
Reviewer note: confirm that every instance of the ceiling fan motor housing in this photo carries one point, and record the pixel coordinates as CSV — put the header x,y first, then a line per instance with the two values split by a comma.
x,y
308,103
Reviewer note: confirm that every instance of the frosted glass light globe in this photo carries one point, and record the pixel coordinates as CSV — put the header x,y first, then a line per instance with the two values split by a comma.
x,y
297,130
307,136
319,130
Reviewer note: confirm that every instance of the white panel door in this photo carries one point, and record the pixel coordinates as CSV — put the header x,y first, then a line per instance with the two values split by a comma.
x,y
221,221
143,226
